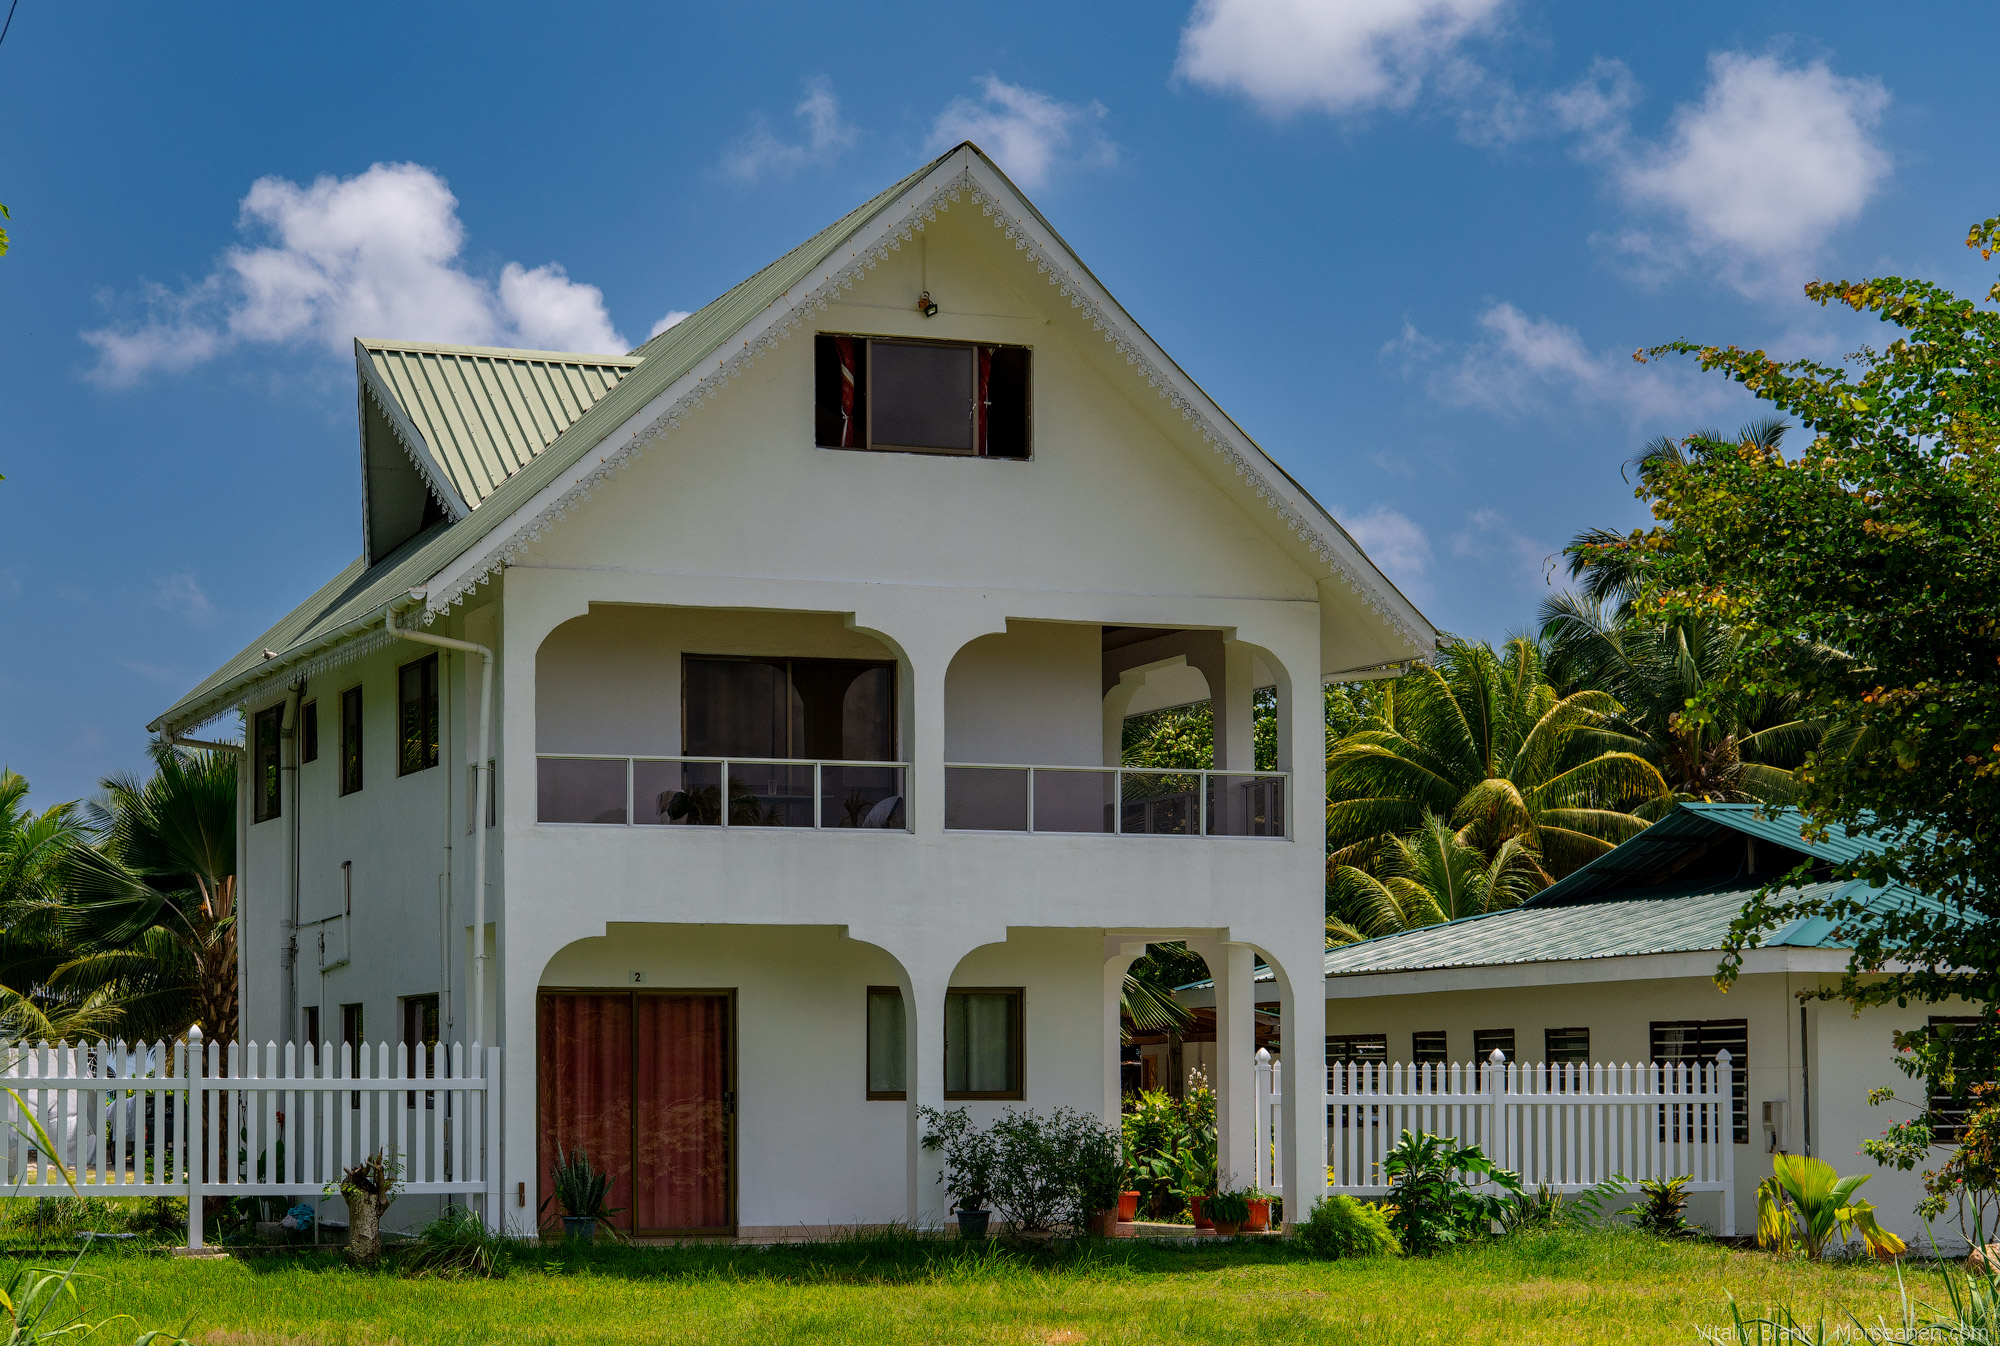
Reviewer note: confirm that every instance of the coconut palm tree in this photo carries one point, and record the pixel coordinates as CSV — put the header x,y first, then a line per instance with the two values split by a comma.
x,y
36,923
157,897
1425,878
1483,741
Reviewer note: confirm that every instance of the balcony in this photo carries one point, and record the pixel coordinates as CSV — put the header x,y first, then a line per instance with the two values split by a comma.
x,y
1114,801
720,792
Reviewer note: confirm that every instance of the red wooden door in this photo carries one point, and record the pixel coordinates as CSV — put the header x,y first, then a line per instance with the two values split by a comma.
x,y
643,1083
586,1090
681,1111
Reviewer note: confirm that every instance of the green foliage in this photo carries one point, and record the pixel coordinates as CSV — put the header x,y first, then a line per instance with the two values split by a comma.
x,y
1039,1170
1231,1206
1340,1226
1170,1148
1429,876
1662,1207
1804,1204
457,1246
578,1187
1874,543
1482,740
1431,1198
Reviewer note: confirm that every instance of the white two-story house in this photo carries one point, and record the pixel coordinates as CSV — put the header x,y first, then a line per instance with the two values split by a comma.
x,y
796,646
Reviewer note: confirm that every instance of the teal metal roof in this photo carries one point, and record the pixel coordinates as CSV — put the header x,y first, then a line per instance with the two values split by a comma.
x,y
1596,912
357,598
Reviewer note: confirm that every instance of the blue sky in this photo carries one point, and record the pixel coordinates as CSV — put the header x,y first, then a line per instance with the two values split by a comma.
x,y
1408,244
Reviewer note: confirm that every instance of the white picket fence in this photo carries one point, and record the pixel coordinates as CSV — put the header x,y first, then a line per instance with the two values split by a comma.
x,y
193,1119
1565,1127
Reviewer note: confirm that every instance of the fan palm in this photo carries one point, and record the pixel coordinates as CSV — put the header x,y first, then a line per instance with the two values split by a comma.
x,y
158,895
1425,878
1483,741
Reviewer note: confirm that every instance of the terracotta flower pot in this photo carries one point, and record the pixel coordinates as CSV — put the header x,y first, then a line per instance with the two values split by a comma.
x,y
1260,1216
1201,1221
1128,1205
1227,1228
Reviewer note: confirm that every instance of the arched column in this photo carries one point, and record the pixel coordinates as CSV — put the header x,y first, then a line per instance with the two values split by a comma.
x,y
1120,952
1299,963
1232,966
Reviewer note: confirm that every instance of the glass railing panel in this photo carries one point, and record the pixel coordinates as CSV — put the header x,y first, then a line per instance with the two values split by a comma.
x,y
677,794
861,796
1074,801
1246,805
1161,803
986,798
580,790
770,794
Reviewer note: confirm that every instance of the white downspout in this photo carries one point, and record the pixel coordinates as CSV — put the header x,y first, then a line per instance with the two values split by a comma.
x,y
482,775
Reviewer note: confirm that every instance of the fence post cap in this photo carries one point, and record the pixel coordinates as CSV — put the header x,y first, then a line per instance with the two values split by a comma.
x,y
1724,1055
194,1032
1499,1058
1263,1056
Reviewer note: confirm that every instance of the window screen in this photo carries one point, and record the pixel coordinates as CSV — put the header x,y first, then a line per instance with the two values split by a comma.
x,y
1566,1046
417,715
1697,1041
887,1040
1428,1048
982,1044
920,396
350,740
265,730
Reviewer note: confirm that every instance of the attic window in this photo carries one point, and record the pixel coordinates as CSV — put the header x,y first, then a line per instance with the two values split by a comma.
x,y
896,395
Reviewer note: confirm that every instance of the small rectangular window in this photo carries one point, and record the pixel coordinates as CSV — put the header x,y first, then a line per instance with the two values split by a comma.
x,y
417,715
913,396
309,1030
472,794
350,740
1948,1113
886,1042
1696,1041
265,732
1485,1041
309,732
1566,1046
982,1043
1428,1048
420,1030
351,1043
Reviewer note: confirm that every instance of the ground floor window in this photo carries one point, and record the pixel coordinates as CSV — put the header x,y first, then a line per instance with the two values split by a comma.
x,y
1696,1042
1486,1041
982,1043
643,1083
1427,1047
1566,1046
1948,1114
887,1042
420,1030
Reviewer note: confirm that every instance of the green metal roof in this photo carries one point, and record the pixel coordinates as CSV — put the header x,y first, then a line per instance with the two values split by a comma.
x,y
353,599
480,414
1596,912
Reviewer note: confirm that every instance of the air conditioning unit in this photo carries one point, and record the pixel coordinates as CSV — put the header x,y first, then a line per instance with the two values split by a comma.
x,y
1774,1125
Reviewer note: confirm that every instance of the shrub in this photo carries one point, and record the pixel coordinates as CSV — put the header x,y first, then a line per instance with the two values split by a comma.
x,y
1170,1148
1040,1170
1662,1206
968,1153
1340,1226
1433,1202
456,1245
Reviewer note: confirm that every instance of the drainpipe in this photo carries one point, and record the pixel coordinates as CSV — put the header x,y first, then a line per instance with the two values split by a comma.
x,y
483,776
290,739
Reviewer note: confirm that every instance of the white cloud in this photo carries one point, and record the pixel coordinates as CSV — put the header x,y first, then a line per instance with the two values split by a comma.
x,y
1333,55
182,593
1753,177
1397,545
376,254
1520,363
1029,134
759,153
667,319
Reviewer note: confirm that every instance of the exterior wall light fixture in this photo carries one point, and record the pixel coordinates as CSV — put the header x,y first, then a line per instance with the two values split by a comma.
x,y
926,305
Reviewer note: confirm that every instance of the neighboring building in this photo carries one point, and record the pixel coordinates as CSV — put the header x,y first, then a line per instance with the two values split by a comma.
x,y
911,510
1615,964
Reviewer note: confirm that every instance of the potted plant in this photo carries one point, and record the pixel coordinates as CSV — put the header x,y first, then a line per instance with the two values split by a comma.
x,y
1128,1205
1228,1209
1100,1174
1260,1211
969,1157
579,1189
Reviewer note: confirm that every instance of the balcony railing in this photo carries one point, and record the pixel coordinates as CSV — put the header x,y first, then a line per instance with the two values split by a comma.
x,y
1124,801
720,792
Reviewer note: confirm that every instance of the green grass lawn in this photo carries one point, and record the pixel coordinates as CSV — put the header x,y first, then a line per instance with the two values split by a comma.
x,y
1605,1286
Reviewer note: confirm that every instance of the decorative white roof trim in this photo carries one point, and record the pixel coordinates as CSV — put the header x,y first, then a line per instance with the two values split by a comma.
x,y
763,334
250,697
412,440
